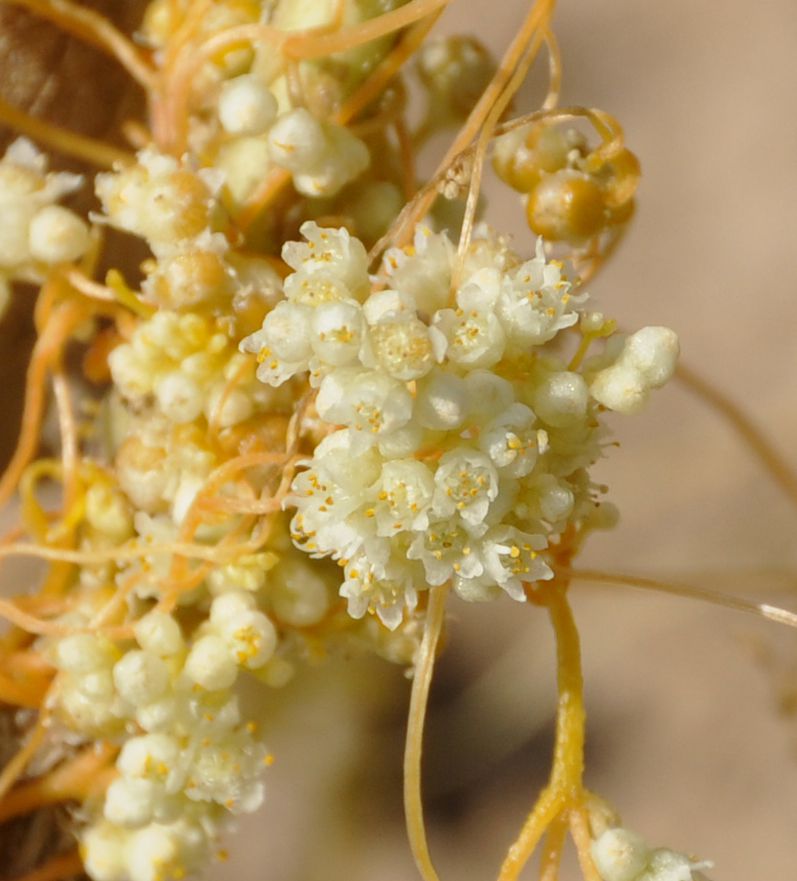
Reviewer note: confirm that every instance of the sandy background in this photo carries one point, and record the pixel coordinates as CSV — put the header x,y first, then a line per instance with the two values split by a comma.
x,y
685,735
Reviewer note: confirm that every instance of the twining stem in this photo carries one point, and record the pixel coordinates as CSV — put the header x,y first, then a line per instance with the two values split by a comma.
x,y
568,762
419,698
535,36
580,833
402,228
63,141
16,767
548,807
347,38
552,850
779,469
47,351
87,772
564,791
738,604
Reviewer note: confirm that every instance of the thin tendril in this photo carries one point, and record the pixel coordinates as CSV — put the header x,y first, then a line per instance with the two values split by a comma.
x,y
419,699
752,436
61,140
761,610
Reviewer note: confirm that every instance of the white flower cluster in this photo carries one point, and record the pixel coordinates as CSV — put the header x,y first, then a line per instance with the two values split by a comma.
x,y
185,362
33,229
621,855
194,759
462,444
322,157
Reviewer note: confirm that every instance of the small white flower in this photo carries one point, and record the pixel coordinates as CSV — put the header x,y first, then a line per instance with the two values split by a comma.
x,y
150,756
58,235
346,157
447,548
535,302
621,388
333,251
423,271
103,853
340,466
645,361
466,483
653,352
179,397
225,771
322,523
474,333
159,852
510,557
668,865
298,592
369,402
313,287
282,345
159,633
475,336
386,594
403,497
250,636
510,441
405,349
336,332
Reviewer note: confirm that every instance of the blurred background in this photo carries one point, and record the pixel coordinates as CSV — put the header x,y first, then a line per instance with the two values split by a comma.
x,y
689,733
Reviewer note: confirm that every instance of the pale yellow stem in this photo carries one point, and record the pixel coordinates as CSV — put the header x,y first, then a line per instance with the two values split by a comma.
x,y
531,34
67,425
16,767
61,140
565,788
757,441
347,38
46,352
762,610
580,833
406,221
419,698
552,850
548,807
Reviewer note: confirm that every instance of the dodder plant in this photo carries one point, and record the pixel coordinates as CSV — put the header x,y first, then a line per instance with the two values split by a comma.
x,y
326,406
